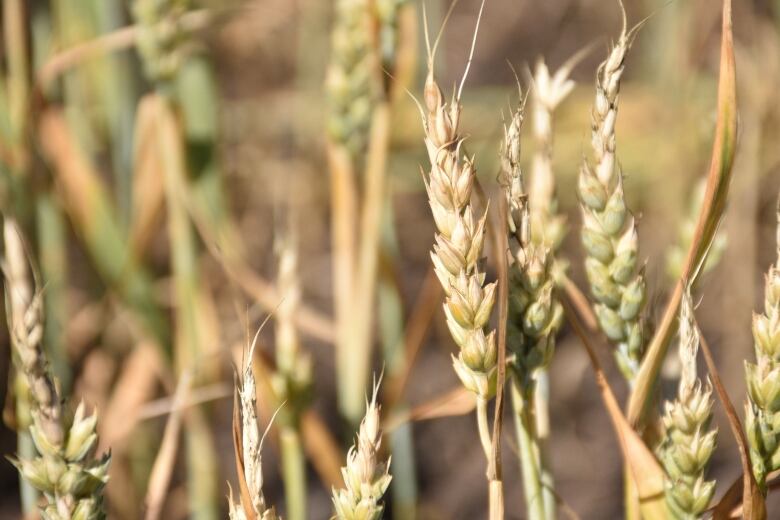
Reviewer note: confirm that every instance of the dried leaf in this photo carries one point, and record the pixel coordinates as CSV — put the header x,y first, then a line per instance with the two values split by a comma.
x,y
458,401
427,304
162,470
148,191
494,464
137,384
322,449
731,502
709,217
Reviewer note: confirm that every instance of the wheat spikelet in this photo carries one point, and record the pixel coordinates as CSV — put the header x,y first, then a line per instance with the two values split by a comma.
x,y
365,477
689,441
609,231
65,470
762,418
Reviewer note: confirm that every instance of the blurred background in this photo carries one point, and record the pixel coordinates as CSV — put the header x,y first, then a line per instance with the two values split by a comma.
x,y
148,275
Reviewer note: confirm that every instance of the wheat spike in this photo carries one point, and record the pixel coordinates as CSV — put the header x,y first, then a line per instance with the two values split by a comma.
x,y
762,418
534,313
457,252
689,441
609,231
366,477
65,470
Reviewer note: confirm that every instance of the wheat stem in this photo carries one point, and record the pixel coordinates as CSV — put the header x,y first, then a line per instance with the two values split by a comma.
x,y
483,425
293,473
689,441
529,453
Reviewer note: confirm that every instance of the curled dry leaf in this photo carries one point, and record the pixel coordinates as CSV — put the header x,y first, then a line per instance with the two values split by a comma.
x,y
709,217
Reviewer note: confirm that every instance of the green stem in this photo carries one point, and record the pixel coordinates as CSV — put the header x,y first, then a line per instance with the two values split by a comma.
x,y
29,495
202,467
294,473
542,409
404,484
529,453
484,426
188,347
53,259
390,321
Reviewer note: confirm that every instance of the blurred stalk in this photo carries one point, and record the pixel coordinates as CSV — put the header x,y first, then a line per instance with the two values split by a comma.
x,y
184,81
542,423
294,473
197,99
665,61
88,204
52,247
356,357
188,350
117,90
292,380
352,88
18,76
391,334
76,22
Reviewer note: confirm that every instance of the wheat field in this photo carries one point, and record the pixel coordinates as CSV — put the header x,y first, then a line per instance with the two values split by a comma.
x,y
401,259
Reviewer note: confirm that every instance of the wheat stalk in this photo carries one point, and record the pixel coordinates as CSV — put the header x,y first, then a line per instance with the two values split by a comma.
x,y
762,417
688,441
366,477
609,231
65,470
292,381
534,316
